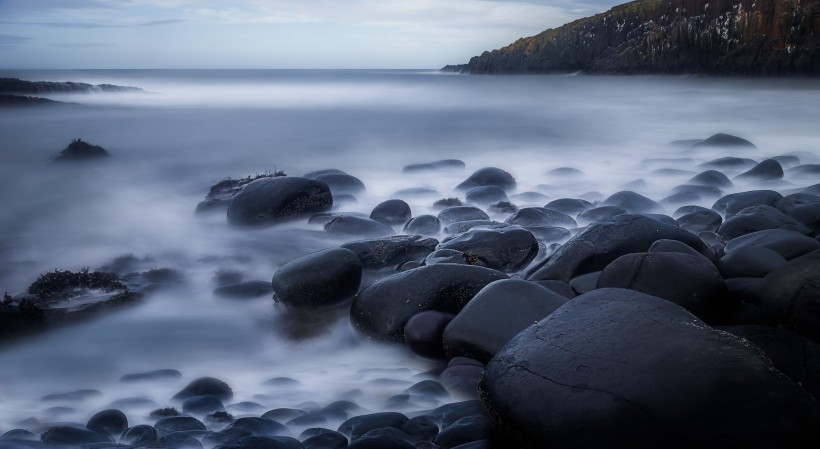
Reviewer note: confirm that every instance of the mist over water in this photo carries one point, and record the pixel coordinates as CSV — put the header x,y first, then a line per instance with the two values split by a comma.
x,y
193,128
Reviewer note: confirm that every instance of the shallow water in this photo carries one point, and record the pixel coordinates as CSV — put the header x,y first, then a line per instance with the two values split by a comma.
x,y
193,128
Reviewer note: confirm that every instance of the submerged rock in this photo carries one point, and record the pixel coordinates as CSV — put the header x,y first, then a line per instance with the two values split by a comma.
x,y
489,176
79,150
322,278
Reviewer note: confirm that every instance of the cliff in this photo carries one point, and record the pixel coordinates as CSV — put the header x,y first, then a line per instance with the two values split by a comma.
x,y
16,86
722,37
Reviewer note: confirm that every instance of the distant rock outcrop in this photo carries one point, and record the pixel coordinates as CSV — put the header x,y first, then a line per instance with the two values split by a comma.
x,y
79,150
725,37
16,86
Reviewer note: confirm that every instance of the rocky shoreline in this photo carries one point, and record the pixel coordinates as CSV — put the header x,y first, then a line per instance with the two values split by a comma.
x,y
613,320
15,92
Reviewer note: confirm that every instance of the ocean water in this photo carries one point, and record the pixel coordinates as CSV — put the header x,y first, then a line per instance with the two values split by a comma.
x,y
190,129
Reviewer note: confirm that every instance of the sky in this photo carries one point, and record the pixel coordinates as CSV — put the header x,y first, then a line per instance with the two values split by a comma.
x,y
235,34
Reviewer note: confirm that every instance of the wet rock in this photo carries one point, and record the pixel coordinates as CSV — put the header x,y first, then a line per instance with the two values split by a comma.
x,y
600,213
787,244
569,206
268,201
505,249
179,440
768,169
341,183
444,164
243,290
448,256
794,200
73,396
79,150
758,218
322,278
324,218
424,225
722,140
447,202
382,309
541,216
489,176
702,220
729,163
681,198
560,287
421,428
205,386
391,251
326,440
632,202
735,202
382,438
604,241
356,427
348,226
160,374
423,333
618,383
699,190
326,171
808,215
805,170
141,435
692,282
791,293
164,413
497,313
258,426
711,178
460,227
549,234
461,377
283,414
465,430
19,435
502,207
392,212
530,197
258,442
585,283
565,171
73,436
202,405
486,195
308,419
461,213
447,414
108,422
173,424
812,190
674,246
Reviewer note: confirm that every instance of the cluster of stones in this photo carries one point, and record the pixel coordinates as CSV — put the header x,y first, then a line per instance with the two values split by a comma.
x,y
205,421
588,323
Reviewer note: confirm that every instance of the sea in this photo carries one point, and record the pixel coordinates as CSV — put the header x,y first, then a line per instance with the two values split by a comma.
x,y
189,129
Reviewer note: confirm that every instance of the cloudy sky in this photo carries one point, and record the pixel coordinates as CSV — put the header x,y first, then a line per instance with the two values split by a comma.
x,y
269,33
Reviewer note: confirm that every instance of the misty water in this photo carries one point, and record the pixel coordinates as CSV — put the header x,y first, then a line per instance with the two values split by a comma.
x,y
190,129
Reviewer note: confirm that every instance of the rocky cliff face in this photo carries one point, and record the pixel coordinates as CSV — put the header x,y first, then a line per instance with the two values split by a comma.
x,y
743,37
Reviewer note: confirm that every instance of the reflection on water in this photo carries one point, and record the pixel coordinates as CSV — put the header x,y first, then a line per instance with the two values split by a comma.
x,y
195,128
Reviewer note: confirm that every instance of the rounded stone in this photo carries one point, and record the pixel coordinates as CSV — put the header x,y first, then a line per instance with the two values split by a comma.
x,y
72,436
461,213
341,183
569,206
109,422
486,195
632,202
540,216
423,333
322,278
504,249
489,176
272,200
392,212
766,170
735,202
424,225
205,386
352,226
758,218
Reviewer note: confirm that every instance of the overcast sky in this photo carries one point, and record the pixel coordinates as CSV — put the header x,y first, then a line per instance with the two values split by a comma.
x,y
270,33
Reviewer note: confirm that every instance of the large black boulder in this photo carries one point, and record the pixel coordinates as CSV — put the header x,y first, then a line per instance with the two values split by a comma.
x,y
758,218
690,281
701,220
600,213
569,206
495,315
489,176
269,201
710,178
486,195
382,310
788,244
722,140
791,295
461,213
354,428
391,251
766,170
633,203
108,422
794,200
606,240
322,278
540,216
423,333
808,215
351,226
735,202
341,183
205,386
392,212
505,249
619,368
424,225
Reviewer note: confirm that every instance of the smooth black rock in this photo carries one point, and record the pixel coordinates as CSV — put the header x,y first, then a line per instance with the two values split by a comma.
x,y
711,178
447,414
549,234
391,251
766,170
447,202
178,424
258,426
600,213
324,218
489,176
382,309
423,332
569,206
465,430
283,414
72,396
530,197
681,198
633,203
808,215
387,438
735,202
791,295
805,170
259,442
448,256
688,209
702,220
789,202
357,426
424,225
788,244
243,290
205,386
722,140
690,281
585,283
179,440
618,368
486,195
460,227
461,377
392,212
349,226
606,240
730,162
273,200
322,278
416,192
341,183
444,164
461,213
109,422
812,190
308,419
79,150
326,171
700,190
496,314
758,218
560,287
20,435
141,435
73,436
505,249
421,428
202,405
326,440
541,216
564,171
